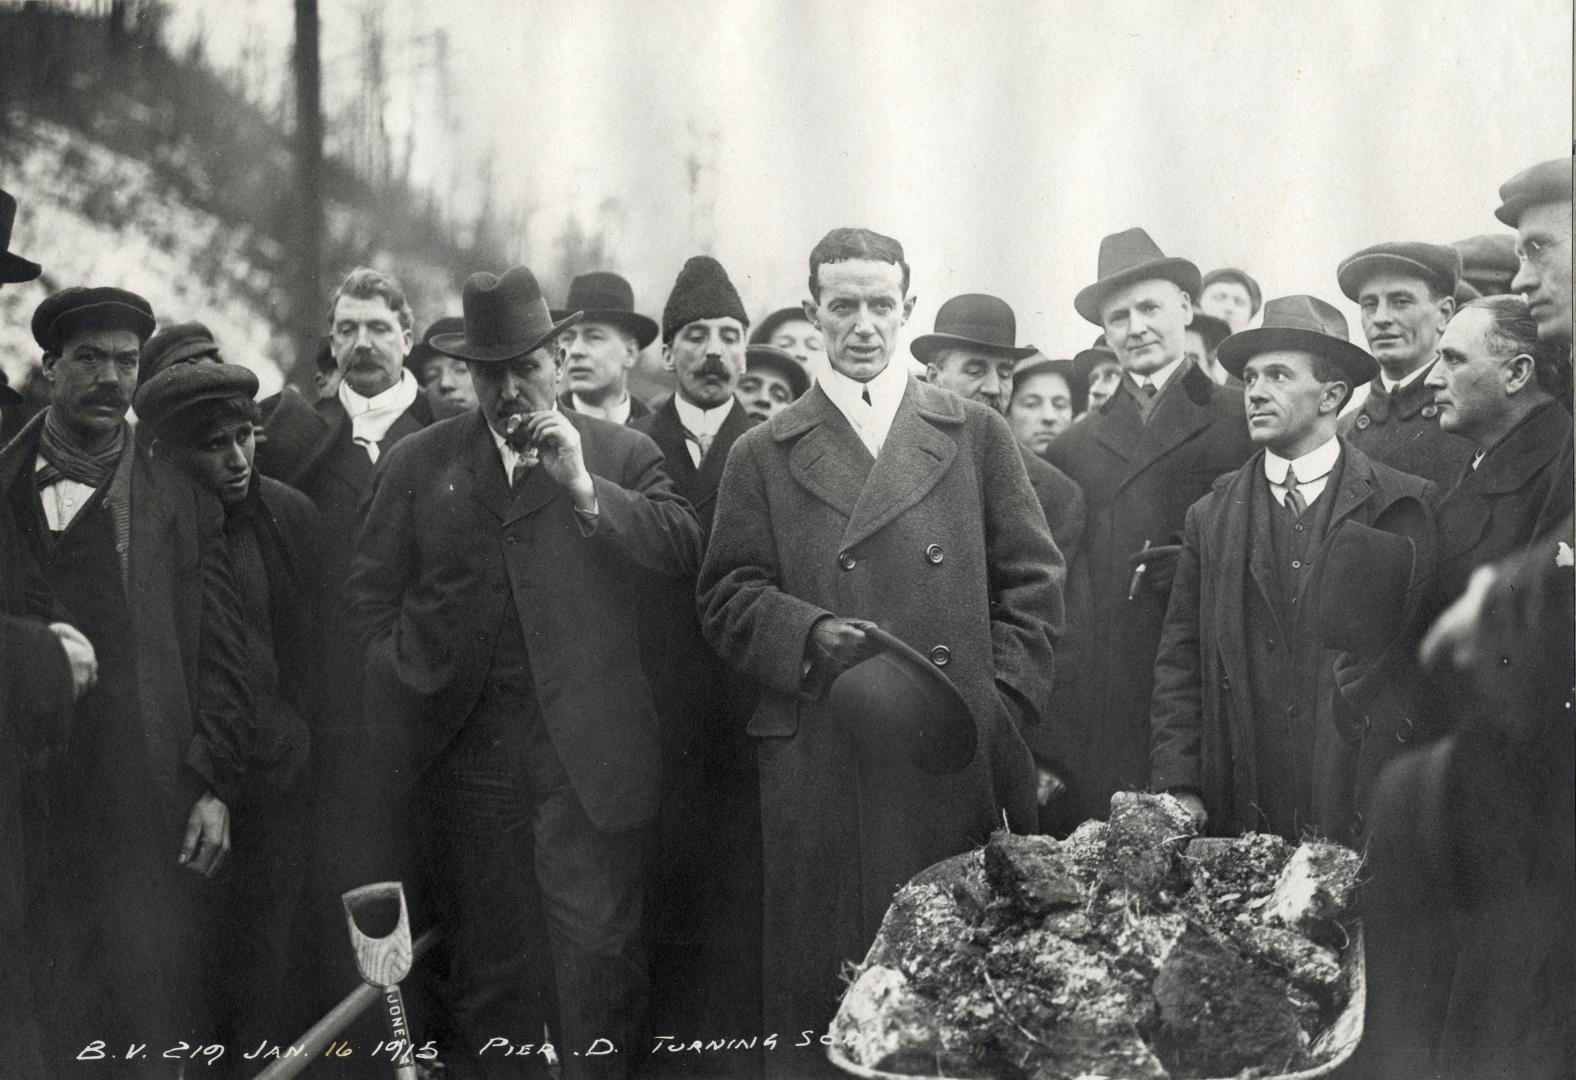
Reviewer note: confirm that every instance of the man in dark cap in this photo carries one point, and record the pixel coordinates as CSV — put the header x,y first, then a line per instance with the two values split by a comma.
x,y
445,380
1204,335
1244,716
772,381
141,797
1488,264
1101,370
202,418
1141,460
1407,295
183,343
1231,296
789,330
490,582
1537,204
602,348
875,498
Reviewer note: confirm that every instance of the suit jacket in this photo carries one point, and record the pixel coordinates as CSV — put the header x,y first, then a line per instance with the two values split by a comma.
x,y
637,408
446,541
1202,715
1138,481
698,485
1402,431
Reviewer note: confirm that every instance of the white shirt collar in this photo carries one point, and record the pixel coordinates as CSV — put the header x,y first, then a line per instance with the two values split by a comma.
x,y
1392,387
1161,377
1314,465
404,390
617,413
699,421
870,422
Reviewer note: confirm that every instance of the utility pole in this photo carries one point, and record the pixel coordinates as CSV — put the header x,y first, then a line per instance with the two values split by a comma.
x,y
306,267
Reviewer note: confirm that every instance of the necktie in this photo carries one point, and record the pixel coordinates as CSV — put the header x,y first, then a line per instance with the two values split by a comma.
x,y
1150,390
522,469
704,442
1294,500
864,395
369,446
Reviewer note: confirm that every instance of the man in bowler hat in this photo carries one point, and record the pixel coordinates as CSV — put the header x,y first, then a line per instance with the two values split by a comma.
x,y
1141,459
875,498
1244,718
601,349
489,582
1537,204
1407,295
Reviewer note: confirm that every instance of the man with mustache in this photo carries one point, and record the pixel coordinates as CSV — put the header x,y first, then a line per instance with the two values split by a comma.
x,y
490,582
602,348
1407,295
140,798
1247,729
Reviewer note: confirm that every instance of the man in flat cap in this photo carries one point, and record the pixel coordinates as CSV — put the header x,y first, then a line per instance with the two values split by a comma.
x,y
601,349
1047,396
1101,370
141,796
490,584
1231,296
1407,295
1141,460
772,381
445,380
1488,264
789,330
202,417
874,499
1537,204
1244,712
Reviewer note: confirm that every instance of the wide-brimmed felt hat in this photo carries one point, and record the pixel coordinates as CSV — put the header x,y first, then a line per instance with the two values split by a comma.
x,y
505,317
763,333
900,708
162,399
782,362
975,321
1488,262
1241,277
1038,363
423,351
603,297
1130,256
1211,329
1305,324
178,344
98,308
701,291
1545,182
1438,264
13,268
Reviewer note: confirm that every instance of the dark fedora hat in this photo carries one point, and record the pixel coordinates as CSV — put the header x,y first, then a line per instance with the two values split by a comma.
x,y
13,268
423,351
899,706
179,344
1305,324
763,333
1545,182
505,317
782,362
973,321
1211,329
1437,264
1130,256
604,297
1038,363
100,308
1373,579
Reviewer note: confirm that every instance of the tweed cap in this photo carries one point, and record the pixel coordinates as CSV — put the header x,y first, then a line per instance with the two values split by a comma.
x,y
90,308
782,362
1545,182
1437,264
179,344
1241,277
1488,262
162,400
702,291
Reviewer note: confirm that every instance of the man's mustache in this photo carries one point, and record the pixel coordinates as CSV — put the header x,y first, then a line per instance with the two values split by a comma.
x,y
713,368
103,397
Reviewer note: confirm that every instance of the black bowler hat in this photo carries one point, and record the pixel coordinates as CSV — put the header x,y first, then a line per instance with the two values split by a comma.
x,y
782,362
900,707
423,351
1304,324
13,268
1130,256
179,344
99,308
972,321
762,334
505,317
161,401
604,297
1438,264
1545,182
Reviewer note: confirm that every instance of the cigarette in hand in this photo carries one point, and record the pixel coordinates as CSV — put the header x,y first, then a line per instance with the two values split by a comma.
x,y
1138,575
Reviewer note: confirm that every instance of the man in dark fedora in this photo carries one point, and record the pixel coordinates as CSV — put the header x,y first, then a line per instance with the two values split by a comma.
x,y
772,381
1141,459
1245,717
1407,295
140,797
14,270
602,347
1231,296
1536,202
489,583
445,380
875,498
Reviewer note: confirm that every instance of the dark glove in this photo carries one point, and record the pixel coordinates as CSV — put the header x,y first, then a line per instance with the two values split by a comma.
x,y
1160,568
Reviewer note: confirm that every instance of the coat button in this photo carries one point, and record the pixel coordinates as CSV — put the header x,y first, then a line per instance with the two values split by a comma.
x,y
1363,420
935,554
1291,711
1296,564
846,561
1405,730
1269,644
941,656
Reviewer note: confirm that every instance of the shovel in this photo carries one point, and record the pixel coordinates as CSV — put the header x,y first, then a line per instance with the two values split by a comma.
x,y
380,937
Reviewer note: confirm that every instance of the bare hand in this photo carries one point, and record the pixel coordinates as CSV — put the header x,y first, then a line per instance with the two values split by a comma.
x,y
559,445
207,842
1160,566
1195,808
843,641
80,655
1050,786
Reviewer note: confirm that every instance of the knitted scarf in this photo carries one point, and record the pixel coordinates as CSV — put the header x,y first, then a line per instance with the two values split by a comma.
x,y
65,460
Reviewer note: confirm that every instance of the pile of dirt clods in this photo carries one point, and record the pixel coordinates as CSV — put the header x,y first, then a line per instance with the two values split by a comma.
x,y
1130,949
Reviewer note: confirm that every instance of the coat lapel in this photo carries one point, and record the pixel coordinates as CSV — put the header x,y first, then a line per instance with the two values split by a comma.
x,y
1121,424
489,486
709,475
1176,418
829,461
1233,553
667,431
913,459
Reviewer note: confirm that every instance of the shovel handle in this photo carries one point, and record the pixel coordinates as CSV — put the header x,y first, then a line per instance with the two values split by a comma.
x,y
399,1029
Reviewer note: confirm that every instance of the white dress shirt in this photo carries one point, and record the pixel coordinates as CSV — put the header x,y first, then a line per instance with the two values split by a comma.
x,y
1312,469
371,418
1159,378
871,421
1392,387
62,499
616,413
699,421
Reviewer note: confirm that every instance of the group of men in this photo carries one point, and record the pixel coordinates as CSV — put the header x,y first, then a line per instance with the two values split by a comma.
x,y
653,707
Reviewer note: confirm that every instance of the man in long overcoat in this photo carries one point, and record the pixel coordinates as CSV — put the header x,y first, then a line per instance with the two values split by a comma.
x,y
874,498
1142,459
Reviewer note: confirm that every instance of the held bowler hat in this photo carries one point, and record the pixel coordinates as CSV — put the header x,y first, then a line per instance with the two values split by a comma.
x,y
1437,264
13,268
1545,182
423,351
1372,584
899,707
1241,277
604,297
973,321
1304,324
702,291
1130,256
179,344
505,317
162,399
782,362
83,308
1038,363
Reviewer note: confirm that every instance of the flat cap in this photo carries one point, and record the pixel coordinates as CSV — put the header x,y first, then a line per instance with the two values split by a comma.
x,y
781,361
178,344
1547,181
84,308
177,388
1438,264
1241,277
